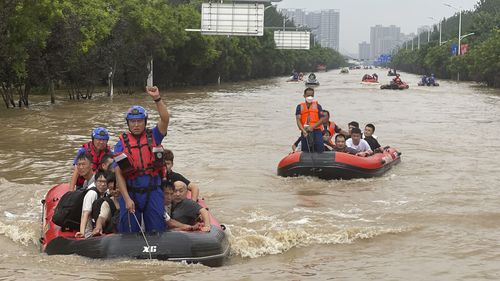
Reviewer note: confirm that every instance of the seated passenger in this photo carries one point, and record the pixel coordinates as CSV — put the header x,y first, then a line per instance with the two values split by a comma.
x,y
92,195
375,76
340,145
168,191
350,126
105,163
96,148
172,176
368,137
187,211
330,127
360,145
106,210
424,80
84,171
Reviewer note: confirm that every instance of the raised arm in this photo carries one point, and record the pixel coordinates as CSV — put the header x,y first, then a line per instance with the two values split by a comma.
x,y
161,107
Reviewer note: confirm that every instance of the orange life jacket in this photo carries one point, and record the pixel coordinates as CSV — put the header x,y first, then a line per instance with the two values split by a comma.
x,y
140,150
309,115
331,130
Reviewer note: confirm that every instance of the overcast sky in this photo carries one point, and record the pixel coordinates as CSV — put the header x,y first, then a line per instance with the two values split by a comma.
x,y
357,16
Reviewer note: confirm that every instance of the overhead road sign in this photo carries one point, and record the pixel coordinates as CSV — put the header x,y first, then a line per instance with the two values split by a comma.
x,y
294,40
238,19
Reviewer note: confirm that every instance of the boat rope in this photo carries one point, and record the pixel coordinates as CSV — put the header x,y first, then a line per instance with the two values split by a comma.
x,y
143,235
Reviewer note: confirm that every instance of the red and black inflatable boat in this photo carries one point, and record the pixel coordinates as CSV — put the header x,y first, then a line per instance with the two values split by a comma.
x,y
209,248
337,165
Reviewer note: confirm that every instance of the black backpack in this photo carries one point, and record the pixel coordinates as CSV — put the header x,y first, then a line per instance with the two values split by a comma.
x,y
68,212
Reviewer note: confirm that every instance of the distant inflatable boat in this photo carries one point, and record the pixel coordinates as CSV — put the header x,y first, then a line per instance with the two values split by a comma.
x,y
394,86
337,165
208,248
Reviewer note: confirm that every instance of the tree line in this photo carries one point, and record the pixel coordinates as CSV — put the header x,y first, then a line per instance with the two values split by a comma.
x,y
480,63
82,44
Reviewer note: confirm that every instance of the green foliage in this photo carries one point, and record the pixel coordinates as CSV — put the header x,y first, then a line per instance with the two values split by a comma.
x,y
481,63
81,42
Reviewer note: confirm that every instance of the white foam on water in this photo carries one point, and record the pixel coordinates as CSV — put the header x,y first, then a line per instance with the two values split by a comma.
x,y
20,231
263,234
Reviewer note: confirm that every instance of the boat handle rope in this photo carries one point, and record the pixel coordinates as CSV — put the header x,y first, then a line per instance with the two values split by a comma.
x,y
143,235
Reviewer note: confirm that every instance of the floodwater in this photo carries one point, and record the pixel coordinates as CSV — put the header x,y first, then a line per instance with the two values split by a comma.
x,y
435,216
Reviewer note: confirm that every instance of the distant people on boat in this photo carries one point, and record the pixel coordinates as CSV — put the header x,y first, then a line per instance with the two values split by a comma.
x,y
340,145
171,176
97,147
168,191
397,80
428,81
391,72
375,76
360,145
98,191
295,75
187,211
106,210
84,171
308,119
140,159
301,76
370,139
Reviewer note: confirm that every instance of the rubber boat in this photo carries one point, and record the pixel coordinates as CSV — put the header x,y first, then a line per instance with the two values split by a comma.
x,y
337,165
312,82
208,248
344,71
428,84
393,86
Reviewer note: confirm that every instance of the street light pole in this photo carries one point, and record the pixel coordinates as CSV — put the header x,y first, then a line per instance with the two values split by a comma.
x,y
418,41
459,9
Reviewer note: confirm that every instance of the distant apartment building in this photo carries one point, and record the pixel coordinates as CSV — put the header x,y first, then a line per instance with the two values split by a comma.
x,y
298,16
364,51
324,24
384,39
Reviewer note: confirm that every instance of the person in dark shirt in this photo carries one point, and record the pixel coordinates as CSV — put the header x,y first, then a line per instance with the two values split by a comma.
x,y
172,176
368,137
187,211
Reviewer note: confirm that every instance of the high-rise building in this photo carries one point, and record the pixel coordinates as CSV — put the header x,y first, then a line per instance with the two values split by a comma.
x,y
324,24
298,16
383,39
364,51
329,29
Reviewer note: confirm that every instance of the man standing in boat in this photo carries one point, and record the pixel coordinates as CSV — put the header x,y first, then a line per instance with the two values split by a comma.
x,y
139,156
309,120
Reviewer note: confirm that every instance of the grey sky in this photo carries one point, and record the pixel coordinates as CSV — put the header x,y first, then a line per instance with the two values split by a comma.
x,y
357,16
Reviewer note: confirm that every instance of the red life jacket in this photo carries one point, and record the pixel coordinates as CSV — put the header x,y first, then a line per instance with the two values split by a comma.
x,y
140,150
96,157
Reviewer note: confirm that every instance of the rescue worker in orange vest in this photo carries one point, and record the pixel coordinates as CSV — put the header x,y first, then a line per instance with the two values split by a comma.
x,y
308,117
97,148
139,157
330,129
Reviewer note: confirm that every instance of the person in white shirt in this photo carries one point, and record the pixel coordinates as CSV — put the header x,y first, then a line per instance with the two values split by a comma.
x,y
359,144
92,195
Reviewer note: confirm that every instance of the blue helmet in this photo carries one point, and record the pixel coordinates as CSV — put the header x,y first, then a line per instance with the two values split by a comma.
x,y
100,133
136,112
